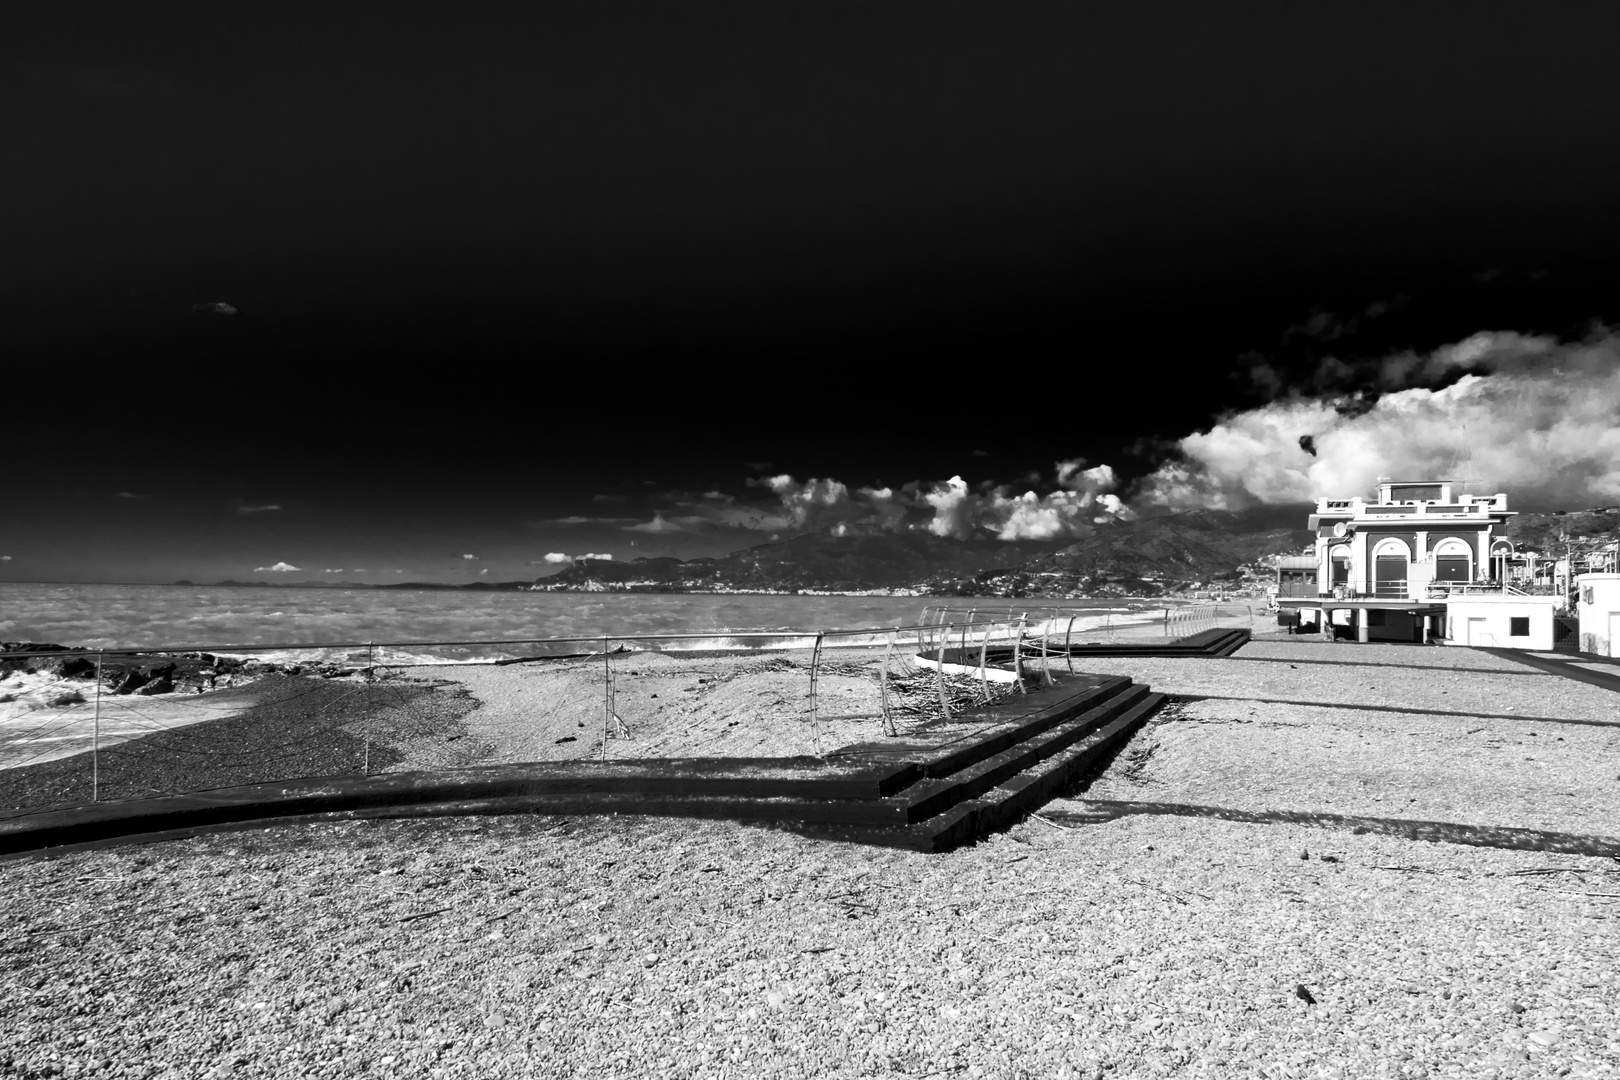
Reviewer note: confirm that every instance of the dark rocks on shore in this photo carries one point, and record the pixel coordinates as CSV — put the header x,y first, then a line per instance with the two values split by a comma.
x,y
153,673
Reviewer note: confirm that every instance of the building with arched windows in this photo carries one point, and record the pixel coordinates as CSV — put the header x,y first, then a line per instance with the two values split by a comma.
x,y
1387,568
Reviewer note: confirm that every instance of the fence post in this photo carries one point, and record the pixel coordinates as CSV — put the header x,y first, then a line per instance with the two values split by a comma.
x,y
939,660
1046,666
95,744
883,681
1066,650
1017,630
815,719
607,699
984,648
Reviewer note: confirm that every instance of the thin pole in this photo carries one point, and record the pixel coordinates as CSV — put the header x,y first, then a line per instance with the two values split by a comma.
x,y
815,720
1067,634
95,745
1046,667
984,648
371,662
1018,652
944,702
883,679
607,697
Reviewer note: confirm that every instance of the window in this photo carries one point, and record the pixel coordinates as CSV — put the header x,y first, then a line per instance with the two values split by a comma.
x,y
1519,626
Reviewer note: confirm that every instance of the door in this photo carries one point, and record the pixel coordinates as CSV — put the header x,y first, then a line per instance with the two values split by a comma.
x,y
1476,632
1389,576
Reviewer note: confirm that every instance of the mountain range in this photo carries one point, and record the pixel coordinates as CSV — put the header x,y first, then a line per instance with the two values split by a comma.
x,y
1166,555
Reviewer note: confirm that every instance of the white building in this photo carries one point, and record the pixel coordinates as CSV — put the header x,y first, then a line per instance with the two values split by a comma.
x,y
1597,604
1501,620
1387,567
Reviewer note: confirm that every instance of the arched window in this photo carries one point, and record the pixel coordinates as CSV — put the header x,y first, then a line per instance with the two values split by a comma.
x,y
1339,564
1453,561
1391,560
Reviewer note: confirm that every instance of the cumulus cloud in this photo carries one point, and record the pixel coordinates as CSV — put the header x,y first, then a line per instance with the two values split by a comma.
x,y
557,558
485,570
5,558
277,568
658,524
337,571
1523,414
471,557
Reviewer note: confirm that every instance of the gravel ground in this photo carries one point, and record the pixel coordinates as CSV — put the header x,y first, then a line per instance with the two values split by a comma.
x,y
280,727
1140,946
534,946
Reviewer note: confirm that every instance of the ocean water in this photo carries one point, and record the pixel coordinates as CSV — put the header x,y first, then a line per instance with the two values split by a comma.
x,y
273,620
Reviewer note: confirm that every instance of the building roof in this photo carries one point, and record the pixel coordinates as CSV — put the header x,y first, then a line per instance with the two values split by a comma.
x,y
1297,562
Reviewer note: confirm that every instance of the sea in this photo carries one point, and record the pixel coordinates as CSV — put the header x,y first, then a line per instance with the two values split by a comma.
x,y
455,625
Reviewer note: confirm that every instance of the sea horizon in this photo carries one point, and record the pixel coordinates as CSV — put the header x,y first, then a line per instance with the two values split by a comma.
x,y
270,619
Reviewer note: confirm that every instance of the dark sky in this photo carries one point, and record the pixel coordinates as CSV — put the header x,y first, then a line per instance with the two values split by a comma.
x,y
490,265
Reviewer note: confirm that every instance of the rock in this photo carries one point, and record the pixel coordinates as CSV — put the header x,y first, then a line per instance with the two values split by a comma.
x,y
163,684
1542,1038
130,682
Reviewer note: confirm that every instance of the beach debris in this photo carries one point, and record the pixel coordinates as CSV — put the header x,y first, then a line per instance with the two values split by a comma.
x,y
1304,994
568,738
1305,855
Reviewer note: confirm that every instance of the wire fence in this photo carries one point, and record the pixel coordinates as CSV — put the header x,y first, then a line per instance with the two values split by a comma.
x,y
85,726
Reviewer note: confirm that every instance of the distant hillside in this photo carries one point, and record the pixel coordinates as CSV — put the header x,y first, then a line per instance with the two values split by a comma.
x,y
1164,554
1549,532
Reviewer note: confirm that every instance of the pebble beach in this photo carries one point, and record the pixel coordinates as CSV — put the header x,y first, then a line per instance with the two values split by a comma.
x,y
1105,946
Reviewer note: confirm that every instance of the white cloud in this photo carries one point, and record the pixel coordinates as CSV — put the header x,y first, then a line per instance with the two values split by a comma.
x,y
658,524
558,557
472,557
594,555
1537,419
5,558
338,571
277,568
485,570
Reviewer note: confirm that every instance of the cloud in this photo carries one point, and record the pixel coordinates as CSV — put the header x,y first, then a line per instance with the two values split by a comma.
x,y
658,524
577,519
244,508
474,558
217,307
5,558
1519,413
557,558
132,495
485,570
338,571
277,568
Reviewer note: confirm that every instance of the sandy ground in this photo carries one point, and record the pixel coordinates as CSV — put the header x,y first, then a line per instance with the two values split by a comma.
x,y
681,705
1141,946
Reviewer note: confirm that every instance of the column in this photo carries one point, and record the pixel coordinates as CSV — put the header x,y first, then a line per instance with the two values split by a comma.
x,y
1361,625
